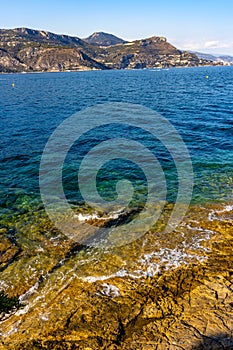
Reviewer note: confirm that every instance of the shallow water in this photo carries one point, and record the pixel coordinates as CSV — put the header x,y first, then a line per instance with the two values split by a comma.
x,y
200,110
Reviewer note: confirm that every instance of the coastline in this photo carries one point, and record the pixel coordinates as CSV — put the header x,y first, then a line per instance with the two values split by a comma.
x,y
104,70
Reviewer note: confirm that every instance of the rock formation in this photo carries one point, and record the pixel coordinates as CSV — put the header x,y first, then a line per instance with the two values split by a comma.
x,y
71,305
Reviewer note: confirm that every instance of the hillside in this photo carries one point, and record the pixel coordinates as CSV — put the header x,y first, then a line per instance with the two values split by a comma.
x,y
153,52
215,58
29,50
24,49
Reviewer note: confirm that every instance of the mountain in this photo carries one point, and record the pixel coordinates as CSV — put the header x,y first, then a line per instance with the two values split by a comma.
x,y
30,50
24,49
215,58
205,56
225,58
104,39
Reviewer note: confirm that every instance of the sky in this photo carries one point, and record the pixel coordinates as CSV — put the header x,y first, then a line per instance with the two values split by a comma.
x,y
204,26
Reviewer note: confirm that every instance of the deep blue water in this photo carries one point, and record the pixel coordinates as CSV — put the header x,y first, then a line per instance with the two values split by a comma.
x,y
200,109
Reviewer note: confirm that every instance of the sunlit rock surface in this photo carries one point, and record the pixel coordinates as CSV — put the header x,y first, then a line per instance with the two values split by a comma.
x,y
164,291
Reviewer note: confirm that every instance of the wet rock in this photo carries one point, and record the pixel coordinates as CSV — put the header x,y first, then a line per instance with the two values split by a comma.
x,y
187,306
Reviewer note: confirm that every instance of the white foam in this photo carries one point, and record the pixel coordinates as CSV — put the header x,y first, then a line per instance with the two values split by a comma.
x,y
152,263
121,274
12,331
168,259
110,290
213,215
3,285
44,318
112,215
93,279
22,311
201,229
87,217
226,209
31,291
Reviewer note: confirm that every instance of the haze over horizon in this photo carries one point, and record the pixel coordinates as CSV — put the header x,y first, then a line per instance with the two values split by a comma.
x,y
198,26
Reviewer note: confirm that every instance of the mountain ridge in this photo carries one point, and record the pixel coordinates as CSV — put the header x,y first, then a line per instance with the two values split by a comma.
x,y
31,50
214,57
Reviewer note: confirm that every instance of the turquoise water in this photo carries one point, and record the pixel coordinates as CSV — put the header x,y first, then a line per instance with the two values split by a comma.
x,y
200,109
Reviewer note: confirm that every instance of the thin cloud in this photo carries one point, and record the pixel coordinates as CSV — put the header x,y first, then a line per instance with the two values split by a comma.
x,y
205,45
213,44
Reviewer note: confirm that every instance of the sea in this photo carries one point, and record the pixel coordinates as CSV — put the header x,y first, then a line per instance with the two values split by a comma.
x,y
196,102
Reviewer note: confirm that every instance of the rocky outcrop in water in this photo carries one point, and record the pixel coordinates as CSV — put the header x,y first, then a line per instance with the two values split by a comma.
x,y
29,50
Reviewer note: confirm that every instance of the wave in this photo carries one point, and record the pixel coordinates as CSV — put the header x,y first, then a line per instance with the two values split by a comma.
x,y
216,214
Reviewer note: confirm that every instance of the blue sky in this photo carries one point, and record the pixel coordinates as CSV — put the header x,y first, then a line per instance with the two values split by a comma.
x,y
205,25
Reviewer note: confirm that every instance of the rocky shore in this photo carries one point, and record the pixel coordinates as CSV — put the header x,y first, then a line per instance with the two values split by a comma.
x,y
173,292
